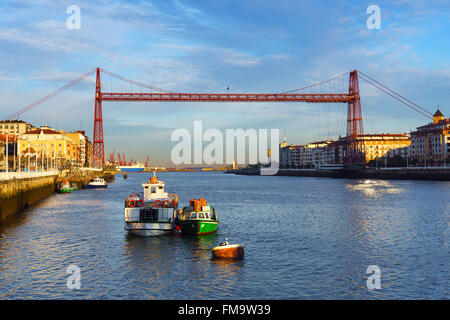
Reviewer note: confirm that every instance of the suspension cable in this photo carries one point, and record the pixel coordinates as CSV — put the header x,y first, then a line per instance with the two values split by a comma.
x,y
54,93
385,91
395,93
135,82
317,84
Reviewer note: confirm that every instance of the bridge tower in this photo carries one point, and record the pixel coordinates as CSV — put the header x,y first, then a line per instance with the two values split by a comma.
x,y
354,155
98,147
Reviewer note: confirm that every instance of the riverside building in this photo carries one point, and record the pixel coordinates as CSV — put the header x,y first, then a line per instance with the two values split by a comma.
x,y
430,144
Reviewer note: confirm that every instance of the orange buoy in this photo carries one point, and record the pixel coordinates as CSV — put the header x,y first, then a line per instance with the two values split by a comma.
x,y
166,203
228,251
232,251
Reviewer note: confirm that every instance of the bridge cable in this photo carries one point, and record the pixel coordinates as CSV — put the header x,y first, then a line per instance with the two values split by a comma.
x,y
54,93
393,96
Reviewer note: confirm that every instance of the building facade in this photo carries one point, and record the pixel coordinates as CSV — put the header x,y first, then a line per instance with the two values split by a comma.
x,y
316,154
48,144
82,144
430,144
15,127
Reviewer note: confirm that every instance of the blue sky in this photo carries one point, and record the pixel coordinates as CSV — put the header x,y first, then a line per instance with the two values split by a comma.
x,y
206,46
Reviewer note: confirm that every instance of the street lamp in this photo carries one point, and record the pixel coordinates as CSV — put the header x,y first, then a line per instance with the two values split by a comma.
x,y
6,141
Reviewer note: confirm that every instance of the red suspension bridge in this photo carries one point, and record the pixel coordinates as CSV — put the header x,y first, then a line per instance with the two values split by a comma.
x,y
354,154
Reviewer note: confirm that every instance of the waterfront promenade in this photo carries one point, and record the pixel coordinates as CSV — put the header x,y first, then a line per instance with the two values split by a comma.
x,y
19,190
26,175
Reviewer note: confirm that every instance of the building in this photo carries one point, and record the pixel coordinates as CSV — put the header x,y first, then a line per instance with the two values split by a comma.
x,y
430,144
310,155
81,141
49,144
289,156
15,127
316,154
386,145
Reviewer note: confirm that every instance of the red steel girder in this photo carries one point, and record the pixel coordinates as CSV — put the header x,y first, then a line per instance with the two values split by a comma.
x,y
230,97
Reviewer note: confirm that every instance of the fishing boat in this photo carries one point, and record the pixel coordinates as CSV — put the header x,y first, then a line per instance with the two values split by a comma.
x,y
198,218
228,251
153,214
96,183
65,187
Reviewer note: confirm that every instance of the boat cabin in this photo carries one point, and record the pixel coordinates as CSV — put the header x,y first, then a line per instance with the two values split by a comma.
x,y
207,213
154,189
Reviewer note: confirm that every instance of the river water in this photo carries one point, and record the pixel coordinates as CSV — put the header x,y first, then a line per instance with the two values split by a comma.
x,y
305,238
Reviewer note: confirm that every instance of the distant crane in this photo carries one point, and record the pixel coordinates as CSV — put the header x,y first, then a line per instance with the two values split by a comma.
x,y
111,157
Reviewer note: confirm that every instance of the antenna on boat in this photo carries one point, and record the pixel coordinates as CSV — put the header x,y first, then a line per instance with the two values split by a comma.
x,y
154,179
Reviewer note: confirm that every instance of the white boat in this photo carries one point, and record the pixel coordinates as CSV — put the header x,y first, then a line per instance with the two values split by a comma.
x,y
96,183
153,214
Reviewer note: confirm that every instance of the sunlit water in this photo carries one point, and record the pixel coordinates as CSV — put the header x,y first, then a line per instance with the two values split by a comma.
x,y
305,238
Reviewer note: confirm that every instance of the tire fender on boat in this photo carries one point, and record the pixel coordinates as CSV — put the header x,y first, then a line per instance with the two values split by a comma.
x,y
157,203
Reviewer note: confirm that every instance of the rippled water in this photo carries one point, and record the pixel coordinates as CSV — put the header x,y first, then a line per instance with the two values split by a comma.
x,y
305,238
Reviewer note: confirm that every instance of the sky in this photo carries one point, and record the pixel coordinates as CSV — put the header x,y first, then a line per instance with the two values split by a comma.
x,y
207,46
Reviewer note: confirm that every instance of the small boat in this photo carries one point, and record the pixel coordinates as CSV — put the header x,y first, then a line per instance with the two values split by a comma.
x,y
228,251
96,183
65,187
197,219
153,214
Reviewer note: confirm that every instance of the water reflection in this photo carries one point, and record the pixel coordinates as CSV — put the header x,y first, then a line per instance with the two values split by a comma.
x,y
374,188
307,237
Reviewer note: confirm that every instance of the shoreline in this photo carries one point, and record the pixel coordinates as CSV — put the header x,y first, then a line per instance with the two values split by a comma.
x,y
428,174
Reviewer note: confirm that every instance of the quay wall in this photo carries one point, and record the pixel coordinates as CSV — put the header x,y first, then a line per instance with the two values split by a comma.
x,y
18,194
431,174
389,174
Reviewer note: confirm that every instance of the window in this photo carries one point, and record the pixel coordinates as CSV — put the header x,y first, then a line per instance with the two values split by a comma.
x,y
153,190
201,215
193,215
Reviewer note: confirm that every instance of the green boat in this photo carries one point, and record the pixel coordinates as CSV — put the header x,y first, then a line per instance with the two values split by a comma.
x,y
198,219
66,187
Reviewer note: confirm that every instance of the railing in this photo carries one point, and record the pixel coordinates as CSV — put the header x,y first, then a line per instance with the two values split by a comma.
x,y
27,174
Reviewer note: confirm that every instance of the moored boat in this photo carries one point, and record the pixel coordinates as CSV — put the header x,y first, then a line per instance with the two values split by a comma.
x,y
65,187
154,213
96,183
198,218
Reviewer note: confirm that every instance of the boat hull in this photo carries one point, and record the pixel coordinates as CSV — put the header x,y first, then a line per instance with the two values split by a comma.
x,y
131,169
89,186
199,227
149,229
65,190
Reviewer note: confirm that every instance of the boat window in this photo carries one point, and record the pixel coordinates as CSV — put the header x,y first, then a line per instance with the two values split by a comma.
x,y
153,189
206,215
193,215
201,216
